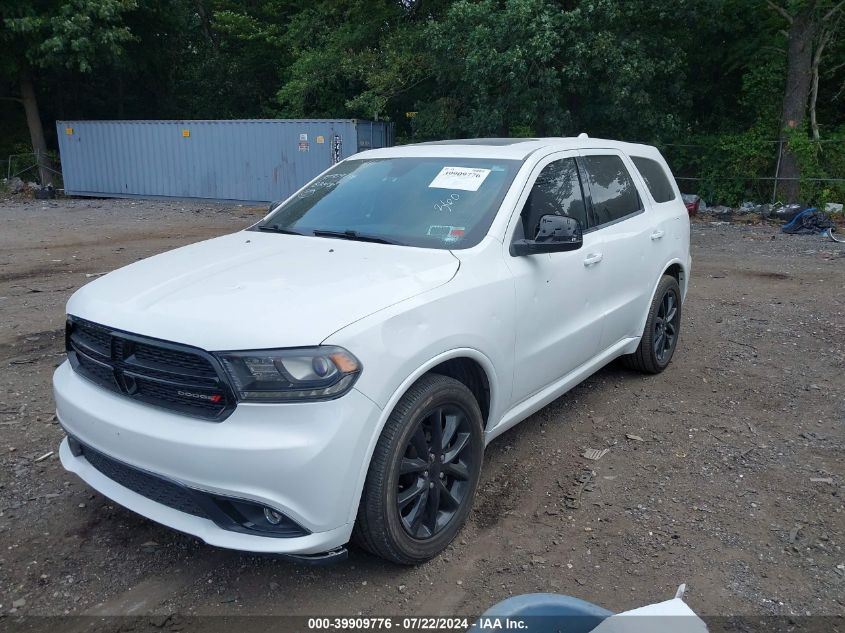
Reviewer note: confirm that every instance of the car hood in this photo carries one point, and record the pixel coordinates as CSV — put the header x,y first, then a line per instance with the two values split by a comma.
x,y
252,290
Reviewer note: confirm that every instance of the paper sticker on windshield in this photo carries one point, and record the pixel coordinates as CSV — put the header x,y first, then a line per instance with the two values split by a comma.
x,y
465,178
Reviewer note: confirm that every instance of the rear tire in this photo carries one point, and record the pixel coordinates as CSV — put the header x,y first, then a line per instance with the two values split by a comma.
x,y
423,474
662,329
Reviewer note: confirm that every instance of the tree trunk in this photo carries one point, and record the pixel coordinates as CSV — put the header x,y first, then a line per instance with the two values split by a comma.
x,y
814,97
36,131
205,19
802,32
826,33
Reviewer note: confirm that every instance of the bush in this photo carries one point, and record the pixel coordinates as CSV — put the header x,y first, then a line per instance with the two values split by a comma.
x,y
819,161
726,166
731,168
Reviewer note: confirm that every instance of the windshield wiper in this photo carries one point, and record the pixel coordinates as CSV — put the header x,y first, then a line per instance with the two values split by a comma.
x,y
356,236
275,228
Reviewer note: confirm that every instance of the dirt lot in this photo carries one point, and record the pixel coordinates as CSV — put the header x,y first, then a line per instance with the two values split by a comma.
x,y
733,484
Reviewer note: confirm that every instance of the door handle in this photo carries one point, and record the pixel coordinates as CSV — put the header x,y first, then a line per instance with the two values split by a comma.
x,y
592,258
658,234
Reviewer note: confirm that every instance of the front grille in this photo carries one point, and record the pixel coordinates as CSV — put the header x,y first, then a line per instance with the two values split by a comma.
x,y
94,337
153,357
101,373
167,375
162,394
154,488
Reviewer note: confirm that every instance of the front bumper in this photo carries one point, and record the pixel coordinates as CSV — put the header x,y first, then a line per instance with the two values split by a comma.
x,y
303,459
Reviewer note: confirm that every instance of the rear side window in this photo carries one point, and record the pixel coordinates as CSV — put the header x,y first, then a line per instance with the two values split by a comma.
x,y
557,191
613,192
655,178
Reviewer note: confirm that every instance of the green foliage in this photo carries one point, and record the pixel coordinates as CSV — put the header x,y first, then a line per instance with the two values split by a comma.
x,y
728,164
497,60
532,66
703,79
762,84
732,160
333,43
75,34
819,160
393,75
631,69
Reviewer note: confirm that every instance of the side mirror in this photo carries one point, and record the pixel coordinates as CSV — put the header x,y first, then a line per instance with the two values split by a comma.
x,y
273,205
557,233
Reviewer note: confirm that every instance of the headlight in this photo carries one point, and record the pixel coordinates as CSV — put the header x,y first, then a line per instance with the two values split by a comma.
x,y
284,375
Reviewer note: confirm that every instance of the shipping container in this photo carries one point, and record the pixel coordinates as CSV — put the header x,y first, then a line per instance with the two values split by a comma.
x,y
250,160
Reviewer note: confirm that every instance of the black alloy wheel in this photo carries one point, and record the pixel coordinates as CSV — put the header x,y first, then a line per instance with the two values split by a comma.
x,y
666,325
434,471
662,329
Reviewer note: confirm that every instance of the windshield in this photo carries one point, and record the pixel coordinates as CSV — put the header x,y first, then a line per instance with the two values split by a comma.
x,y
444,203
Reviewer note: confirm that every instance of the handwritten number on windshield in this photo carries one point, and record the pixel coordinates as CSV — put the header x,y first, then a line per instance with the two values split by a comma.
x,y
446,205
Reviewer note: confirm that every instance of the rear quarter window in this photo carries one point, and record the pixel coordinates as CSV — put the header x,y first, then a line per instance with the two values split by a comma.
x,y
655,178
612,189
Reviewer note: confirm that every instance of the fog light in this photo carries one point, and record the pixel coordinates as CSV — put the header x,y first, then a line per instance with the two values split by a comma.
x,y
256,518
272,517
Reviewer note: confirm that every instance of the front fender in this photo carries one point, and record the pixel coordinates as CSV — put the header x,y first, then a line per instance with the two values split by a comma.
x,y
398,345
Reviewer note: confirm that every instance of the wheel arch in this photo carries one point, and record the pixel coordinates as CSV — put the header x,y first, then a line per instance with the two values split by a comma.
x,y
461,364
674,268
472,375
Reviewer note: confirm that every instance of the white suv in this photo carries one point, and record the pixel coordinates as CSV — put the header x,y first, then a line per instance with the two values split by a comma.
x,y
336,370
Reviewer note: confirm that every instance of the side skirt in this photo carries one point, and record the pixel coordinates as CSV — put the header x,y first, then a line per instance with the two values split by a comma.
x,y
534,403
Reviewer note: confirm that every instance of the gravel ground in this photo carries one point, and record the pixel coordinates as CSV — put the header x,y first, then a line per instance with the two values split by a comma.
x,y
724,472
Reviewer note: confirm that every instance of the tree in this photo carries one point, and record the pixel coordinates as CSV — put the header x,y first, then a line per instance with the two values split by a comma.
x,y
547,67
811,26
72,34
499,59
242,56
332,42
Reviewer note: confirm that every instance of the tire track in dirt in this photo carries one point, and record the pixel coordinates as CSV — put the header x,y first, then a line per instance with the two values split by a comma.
x,y
38,272
27,344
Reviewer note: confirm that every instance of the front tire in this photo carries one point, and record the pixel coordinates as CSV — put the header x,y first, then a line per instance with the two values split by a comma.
x,y
662,329
423,474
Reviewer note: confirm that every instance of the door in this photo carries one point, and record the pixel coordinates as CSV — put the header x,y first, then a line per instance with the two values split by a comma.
x,y
558,322
620,225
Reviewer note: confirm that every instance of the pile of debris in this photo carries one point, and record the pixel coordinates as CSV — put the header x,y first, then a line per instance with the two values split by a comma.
x,y
797,219
16,186
777,211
